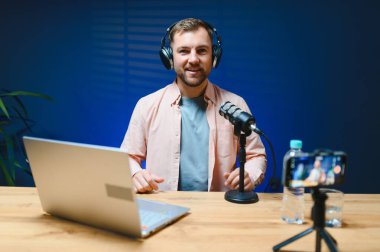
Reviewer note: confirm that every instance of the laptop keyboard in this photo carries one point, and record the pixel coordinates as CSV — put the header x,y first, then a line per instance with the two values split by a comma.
x,y
152,213
150,218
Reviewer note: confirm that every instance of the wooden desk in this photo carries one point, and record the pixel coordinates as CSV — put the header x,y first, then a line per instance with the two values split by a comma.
x,y
213,225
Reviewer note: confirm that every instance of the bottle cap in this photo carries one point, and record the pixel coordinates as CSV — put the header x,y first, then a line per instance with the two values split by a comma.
x,y
295,144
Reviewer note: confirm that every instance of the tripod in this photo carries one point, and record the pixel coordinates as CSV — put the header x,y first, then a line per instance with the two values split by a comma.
x,y
318,216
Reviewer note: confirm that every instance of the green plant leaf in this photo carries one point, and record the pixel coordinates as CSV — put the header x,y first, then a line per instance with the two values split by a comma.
x,y
3,108
7,177
20,148
23,119
23,168
21,105
10,153
25,93
12,110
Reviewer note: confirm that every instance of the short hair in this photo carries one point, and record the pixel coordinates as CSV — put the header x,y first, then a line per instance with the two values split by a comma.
x,y
190,24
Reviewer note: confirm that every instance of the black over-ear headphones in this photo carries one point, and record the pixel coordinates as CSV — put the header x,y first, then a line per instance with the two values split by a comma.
x,y
166,53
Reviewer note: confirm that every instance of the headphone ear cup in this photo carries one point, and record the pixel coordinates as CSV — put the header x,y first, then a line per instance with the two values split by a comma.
x,y
216,55
166,56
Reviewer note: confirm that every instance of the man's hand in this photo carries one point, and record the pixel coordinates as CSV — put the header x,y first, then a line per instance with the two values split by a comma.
x,y
146,182
232,180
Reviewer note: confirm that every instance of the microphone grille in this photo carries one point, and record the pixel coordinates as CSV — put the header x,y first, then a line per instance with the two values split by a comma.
x,y
224,108
229,111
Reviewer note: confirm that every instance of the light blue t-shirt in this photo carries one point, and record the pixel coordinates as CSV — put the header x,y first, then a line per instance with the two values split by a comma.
x,y
193,166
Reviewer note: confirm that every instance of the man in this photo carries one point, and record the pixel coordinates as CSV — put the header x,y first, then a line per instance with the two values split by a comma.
x,y
187,145
317,175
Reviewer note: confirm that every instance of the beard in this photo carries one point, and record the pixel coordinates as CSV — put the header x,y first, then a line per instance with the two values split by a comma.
x,y
193,81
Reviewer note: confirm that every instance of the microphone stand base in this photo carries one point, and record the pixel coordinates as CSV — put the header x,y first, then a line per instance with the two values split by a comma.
x,y
235,196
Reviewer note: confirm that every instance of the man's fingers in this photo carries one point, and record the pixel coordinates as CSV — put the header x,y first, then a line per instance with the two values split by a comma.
x,y
141,184
248,187
226,174
138,186
146,182
247,184
157,178
232,175
236,178
149,180
152,180
233,180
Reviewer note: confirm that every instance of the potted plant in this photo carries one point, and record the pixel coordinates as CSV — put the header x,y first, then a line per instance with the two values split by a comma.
x,y
14,122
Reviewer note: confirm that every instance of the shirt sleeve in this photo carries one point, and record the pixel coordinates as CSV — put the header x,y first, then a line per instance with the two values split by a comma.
x,y
134,142
256,161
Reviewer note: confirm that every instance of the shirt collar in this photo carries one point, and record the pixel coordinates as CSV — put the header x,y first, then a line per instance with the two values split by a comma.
x,y
210,93
175,94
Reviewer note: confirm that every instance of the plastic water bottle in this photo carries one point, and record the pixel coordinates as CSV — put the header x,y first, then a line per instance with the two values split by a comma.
x,y
293,202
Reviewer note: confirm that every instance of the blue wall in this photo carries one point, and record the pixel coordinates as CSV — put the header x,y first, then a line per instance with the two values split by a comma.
x,y
307,69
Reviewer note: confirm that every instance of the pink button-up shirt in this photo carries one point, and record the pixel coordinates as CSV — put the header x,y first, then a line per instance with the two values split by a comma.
x,y
154,135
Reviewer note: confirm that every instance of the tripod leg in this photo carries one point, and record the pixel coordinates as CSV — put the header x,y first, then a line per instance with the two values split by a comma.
x,y
292,239
328,239
332,238
317,242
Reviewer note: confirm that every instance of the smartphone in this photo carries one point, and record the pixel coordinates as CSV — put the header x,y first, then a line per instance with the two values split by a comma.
x,y
317,169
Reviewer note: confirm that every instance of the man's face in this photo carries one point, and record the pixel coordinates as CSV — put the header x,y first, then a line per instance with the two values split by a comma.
x,y
192,54
317,164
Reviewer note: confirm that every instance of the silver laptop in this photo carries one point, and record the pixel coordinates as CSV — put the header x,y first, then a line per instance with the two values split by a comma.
x,y
92,184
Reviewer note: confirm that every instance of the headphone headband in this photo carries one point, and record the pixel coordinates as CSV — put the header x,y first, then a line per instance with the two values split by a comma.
x,y
166,34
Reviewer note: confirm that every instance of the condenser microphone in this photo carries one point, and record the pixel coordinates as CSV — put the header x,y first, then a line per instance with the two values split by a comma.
x,y
239,118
